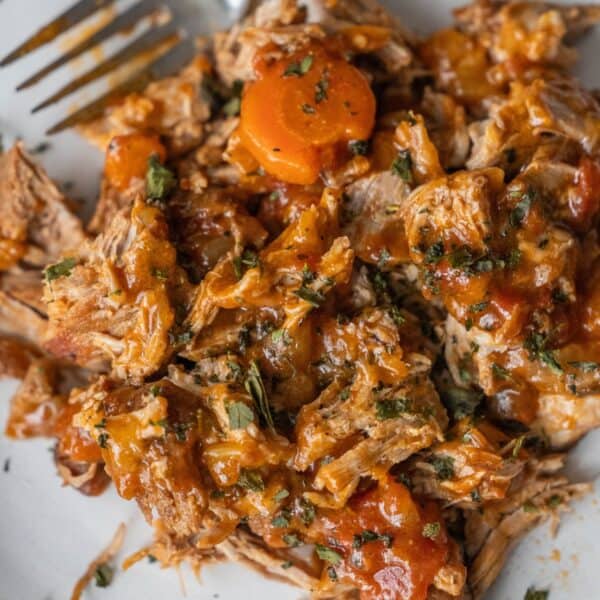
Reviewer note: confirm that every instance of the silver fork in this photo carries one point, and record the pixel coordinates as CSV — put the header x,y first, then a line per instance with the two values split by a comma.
x,y
165,42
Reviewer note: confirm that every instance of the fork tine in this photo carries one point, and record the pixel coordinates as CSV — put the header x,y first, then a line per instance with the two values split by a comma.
x,y
158,40
129,18
68,19
163,67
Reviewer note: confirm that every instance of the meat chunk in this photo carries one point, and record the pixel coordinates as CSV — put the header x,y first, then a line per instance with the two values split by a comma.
x,y
536,31
372,212
539,494
293,274
114,301
176,108
555,106
35,218
211,225
390,410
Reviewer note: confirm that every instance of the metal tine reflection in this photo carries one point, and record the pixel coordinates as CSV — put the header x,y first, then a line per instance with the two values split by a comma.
x,y
155,39
163,67
71,17
126,20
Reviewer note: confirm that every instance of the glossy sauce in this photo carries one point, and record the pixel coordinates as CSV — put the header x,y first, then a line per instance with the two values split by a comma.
x,y
401,570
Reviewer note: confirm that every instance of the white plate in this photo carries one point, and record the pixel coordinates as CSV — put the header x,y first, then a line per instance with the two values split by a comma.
x,y
48,534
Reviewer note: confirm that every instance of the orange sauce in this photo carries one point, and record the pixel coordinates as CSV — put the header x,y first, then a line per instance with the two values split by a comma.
x,y
127,157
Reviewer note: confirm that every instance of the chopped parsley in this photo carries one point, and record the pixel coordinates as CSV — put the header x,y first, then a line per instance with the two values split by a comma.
x,y
282,520
281,335
321,88
327,554
371,536
240,415
587,366
359,147
281,495
461,402
443,466
307,511
533,594
297,69
160,274
397,316
431,530
291,539
402,166
392,408
251,480
519,213
478,307
434,253
255,387
102,440
103,575
536,344
159,180
314,297
232,107
384,257
499,371
248,260
308,109
61,269
287,564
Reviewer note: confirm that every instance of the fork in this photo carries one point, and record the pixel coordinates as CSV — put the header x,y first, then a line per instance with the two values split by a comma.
x,y
163,47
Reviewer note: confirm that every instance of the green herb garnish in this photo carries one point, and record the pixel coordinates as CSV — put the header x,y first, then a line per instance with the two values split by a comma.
x,y
431,530
443,466
327,554
103,575
297,69
251,480
392,408
402,166
240,415
61,269
159,180
255,387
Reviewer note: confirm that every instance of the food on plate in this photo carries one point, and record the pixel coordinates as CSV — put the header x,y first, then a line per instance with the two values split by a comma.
x,y
336,313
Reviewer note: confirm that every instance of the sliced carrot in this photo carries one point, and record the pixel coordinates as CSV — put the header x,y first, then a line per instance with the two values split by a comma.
x,y
300,108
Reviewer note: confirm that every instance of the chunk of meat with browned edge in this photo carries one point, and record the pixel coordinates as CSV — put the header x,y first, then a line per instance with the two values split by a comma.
x,y
116,304
275,277
41,407
36,220
176,108
170,447
389,411
36,226
538,494
210,225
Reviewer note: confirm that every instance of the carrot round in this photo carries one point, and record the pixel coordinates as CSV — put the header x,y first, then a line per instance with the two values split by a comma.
x,y
300,108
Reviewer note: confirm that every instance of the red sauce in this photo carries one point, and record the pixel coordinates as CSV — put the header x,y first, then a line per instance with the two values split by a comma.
x,y
402,566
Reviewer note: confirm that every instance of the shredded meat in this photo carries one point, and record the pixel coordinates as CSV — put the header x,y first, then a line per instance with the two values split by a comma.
x,y
338,304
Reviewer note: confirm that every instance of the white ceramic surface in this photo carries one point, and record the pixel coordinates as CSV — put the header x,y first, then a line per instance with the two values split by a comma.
x,y
48,534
